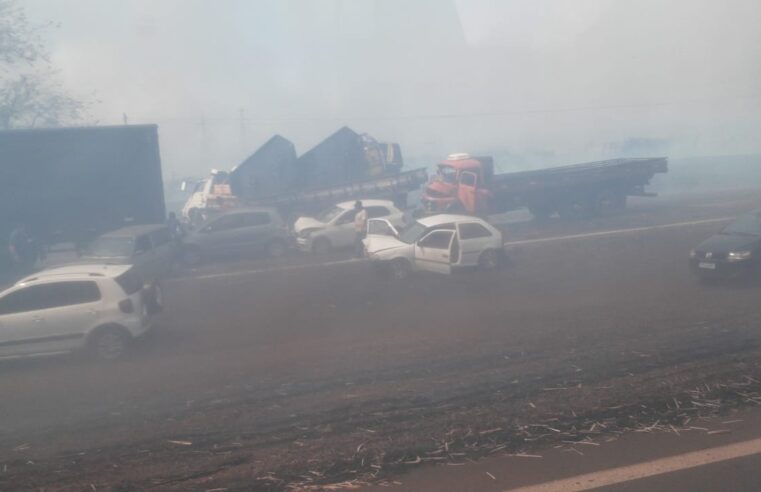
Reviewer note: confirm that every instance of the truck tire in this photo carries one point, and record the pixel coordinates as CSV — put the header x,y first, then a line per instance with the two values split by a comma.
x,y
541,212
577,207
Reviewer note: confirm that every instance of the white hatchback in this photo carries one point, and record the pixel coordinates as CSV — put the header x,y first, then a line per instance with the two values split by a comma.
x,y
440,243
97,307
334,227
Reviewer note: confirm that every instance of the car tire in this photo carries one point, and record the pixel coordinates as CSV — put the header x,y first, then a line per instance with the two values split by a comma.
x,y
109,343
321,245
489,260
276,248
191,255
155,298
399,269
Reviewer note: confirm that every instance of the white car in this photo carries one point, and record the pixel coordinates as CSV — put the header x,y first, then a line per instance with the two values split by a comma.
x,y
440,243
334,227
97,307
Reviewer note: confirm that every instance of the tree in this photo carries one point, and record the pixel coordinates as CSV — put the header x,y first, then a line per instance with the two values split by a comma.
x,y
30,92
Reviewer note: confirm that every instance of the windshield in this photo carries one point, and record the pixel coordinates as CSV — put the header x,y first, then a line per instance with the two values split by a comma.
x,y
745,225
413,233
110,247
329,214
447,173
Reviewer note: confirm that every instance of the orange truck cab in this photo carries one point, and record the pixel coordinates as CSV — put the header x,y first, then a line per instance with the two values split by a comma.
x,y
461,184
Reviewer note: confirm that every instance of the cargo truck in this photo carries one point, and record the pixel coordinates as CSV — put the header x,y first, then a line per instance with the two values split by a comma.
x,y
465,184
71,184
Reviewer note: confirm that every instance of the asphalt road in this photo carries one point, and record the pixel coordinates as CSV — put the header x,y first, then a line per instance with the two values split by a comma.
x,y
295,371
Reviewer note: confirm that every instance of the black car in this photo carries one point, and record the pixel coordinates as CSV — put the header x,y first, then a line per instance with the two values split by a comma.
x,y
735,251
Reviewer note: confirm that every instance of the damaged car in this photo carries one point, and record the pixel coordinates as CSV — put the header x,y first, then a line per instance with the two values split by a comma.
x,y
439,243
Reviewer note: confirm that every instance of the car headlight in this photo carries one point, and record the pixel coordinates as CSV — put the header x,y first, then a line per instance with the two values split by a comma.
x,y
738,255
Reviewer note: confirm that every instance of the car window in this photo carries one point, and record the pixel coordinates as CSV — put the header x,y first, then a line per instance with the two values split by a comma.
x,y
377,211
437,240
473,230
347,217
225,223
46,296
468,179
255,219
160,237
142,244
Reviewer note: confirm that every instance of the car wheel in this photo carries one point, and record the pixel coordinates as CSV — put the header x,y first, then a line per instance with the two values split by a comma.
x,y
155,298
489,260
109,343
276,248
191,255
320,246
399,269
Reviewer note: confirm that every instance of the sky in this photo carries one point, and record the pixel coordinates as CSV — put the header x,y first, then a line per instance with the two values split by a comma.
x,y
535,82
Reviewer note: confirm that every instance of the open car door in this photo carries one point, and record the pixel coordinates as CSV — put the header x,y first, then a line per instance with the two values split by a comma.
x,y
466,191
433,252
381,227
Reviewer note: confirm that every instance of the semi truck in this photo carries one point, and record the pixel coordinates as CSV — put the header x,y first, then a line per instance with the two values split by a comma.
x,y
344,166
469,184
71,184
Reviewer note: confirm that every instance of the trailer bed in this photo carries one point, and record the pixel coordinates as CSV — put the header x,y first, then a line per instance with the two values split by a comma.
x,y
631,170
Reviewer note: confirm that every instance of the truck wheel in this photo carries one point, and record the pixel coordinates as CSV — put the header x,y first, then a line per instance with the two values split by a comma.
x,y
320,246
576,208
191,255
276,248
399,269
489,260
541,213
109,343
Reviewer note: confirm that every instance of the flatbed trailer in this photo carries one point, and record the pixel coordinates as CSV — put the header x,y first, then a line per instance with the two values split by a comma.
x,y
468,184
394,187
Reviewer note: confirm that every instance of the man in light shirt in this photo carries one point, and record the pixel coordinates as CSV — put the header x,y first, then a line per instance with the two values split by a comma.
x,y
360,228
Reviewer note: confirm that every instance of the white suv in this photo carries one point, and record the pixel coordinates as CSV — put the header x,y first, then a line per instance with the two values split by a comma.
x,y
101,308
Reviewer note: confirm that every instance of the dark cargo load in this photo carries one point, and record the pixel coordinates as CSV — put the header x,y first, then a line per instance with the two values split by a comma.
x,y
346,157
268,172
68,184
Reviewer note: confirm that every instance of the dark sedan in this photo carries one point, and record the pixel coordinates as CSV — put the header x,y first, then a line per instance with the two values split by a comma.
x,y
735,251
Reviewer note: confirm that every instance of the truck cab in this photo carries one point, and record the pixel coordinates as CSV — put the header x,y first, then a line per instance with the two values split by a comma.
x,y
460,185
211,194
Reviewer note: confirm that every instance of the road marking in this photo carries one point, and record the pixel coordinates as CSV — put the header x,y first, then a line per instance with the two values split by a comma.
x,y
243,273
628,473
614,232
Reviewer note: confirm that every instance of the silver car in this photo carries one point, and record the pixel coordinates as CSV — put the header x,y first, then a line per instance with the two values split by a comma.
x,y
239,231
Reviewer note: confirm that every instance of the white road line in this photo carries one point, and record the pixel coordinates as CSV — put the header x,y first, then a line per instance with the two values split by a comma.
x,y
618,231
623,474
243,273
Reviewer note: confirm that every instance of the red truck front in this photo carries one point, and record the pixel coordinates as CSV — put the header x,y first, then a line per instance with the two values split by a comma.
x,y
460,185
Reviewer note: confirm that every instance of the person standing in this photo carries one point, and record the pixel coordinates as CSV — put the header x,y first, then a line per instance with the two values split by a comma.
x,y
23,249
360,228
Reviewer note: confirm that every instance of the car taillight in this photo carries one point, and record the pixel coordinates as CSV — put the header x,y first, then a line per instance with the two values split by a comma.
x,y
126,306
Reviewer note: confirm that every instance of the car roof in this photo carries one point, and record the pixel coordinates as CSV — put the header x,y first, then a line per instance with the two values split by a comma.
x,y
134,230
435,220
76,271
366,203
